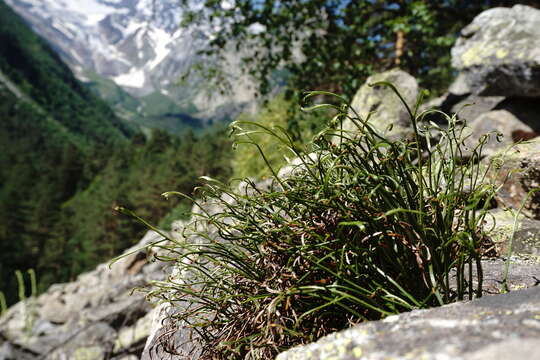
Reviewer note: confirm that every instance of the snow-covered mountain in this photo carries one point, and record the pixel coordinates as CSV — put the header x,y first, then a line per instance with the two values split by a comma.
x,y
138,44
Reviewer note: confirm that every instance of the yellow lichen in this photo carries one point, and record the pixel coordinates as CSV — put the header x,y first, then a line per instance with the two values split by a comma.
x,y
476,54
88,353
501,53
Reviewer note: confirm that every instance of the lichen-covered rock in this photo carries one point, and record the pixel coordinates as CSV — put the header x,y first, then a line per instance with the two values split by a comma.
x,y
494,327
498,54
517,171
385,106
526,237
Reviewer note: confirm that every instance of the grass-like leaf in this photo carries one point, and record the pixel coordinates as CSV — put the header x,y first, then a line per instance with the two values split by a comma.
x,y
361,229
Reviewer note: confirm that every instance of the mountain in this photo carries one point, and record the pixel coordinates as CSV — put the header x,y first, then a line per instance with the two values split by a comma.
x,y
138,46
32,72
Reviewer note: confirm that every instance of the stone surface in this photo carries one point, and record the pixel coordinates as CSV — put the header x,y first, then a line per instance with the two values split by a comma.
x,y
472,107
498,54
488,328
95,317
171,342
526,241
492,124
385,106
517,171
459,87
523,273
527,111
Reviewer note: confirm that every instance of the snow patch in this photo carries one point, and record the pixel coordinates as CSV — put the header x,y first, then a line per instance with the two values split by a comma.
x,y
161,41
69,33
135,79
92,19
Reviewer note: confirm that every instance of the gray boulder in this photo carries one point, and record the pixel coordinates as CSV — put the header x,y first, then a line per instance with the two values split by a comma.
x,y
385,106
498,54
473,106
494,327
466,107
518,119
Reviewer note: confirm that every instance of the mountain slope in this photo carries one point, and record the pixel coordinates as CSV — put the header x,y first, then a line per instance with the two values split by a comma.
x,y
140,46
37,71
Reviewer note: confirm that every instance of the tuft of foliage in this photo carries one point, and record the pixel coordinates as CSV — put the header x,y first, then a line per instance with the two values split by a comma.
x,y
362,228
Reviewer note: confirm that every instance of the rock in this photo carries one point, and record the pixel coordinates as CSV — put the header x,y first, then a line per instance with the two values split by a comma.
x,y
88,343
459,87
523,273
498,54
297,166
473,106
492,124
170,343
467,108
516,118
130,339
517,171
483,329
386,105
94,317
526,241
10,352
527,111
168,340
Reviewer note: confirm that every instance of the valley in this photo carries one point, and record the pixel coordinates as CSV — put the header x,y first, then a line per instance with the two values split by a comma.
x,y
134,55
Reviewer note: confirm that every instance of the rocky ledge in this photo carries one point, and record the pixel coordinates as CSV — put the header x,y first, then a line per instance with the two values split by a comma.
x,y
494,327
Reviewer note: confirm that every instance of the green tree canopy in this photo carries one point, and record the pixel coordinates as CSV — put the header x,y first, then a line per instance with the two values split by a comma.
x,y
335,44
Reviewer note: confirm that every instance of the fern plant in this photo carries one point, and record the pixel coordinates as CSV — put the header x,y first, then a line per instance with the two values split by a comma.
x,y
362,227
